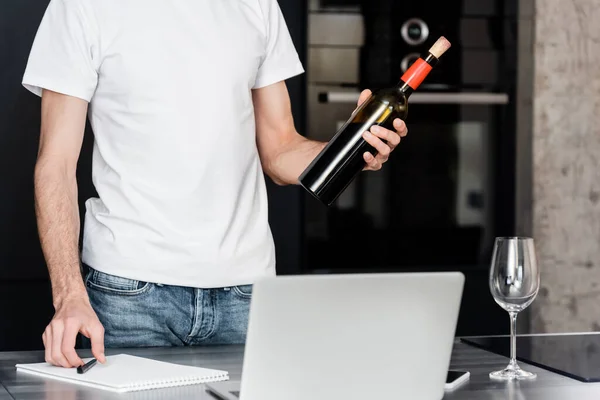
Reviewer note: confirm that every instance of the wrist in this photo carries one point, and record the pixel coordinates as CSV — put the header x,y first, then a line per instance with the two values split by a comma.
x,y
76,293
314,148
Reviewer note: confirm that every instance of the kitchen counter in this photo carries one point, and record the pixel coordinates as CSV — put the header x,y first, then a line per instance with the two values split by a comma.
x,y
547,386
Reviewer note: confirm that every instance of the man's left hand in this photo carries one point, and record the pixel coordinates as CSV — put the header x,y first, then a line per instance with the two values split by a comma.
x,y
375,135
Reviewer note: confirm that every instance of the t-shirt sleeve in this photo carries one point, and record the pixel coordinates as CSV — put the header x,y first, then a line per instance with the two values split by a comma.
x,y
281,60
62,58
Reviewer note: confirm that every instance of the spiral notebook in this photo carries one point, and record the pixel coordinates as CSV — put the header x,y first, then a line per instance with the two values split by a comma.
x,y
127,373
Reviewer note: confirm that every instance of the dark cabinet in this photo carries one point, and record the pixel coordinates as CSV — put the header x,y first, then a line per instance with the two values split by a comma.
x,y
25,299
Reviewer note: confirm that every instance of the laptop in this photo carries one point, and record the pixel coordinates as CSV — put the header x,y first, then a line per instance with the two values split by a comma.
x,y
351,337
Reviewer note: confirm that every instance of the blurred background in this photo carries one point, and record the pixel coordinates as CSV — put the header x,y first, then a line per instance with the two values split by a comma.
x,y
503,140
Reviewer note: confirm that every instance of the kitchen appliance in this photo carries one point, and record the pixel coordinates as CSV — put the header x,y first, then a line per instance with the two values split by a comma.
x,y
449,188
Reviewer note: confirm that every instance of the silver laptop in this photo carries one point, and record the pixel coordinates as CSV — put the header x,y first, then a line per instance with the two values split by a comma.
x,y
351,337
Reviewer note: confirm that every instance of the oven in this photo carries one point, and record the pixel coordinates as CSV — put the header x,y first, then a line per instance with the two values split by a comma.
x,y
449,188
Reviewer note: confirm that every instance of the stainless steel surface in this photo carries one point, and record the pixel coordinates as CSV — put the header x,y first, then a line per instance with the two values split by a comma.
x,y
333,65
339,29
334,42
4,394
326,118
472,172
431,98
548,386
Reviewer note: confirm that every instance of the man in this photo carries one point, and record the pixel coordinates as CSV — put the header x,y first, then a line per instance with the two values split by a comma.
x,y
188,105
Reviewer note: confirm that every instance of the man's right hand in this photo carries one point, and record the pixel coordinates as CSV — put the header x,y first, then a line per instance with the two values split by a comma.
x,y
73,316
55,180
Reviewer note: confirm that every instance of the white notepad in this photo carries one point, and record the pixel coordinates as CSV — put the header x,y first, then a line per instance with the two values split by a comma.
x,y
126,373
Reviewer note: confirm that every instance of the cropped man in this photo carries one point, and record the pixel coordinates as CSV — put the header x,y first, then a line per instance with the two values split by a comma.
x,y
189,107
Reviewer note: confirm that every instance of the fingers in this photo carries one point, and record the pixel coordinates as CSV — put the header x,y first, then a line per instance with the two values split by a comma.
x,y
372,163
47,339
363,96
59,342
400,127
60,335
392,138
96,336
383,149
68,343
57,357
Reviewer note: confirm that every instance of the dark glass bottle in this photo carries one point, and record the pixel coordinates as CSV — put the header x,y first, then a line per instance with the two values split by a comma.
x,y
336,166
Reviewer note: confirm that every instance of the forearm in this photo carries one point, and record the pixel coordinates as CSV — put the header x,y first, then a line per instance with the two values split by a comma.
x,y
285,154
57,215
292,159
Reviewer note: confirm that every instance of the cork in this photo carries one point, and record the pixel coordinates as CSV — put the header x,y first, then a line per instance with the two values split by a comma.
x,y
440,47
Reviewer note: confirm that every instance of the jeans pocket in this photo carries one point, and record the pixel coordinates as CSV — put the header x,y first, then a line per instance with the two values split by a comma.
x,y
243,291
115,284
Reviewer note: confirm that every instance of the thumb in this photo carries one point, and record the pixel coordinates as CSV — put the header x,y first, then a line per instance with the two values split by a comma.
x,y
97,339
364,95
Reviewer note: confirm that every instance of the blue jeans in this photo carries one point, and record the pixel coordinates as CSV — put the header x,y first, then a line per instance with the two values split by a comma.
x,y
143,314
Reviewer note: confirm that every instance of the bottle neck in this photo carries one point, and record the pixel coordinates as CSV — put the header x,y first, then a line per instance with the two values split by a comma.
x,y
416,74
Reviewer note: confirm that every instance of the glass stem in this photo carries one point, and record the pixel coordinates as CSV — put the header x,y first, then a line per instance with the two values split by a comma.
x,y
513,338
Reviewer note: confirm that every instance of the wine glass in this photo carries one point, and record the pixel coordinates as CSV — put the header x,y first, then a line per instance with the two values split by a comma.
x,y
514,282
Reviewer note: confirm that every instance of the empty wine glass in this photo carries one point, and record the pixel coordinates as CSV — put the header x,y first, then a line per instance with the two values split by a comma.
x,y
514,282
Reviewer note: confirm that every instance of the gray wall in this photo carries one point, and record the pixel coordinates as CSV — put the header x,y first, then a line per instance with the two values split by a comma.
x,y
565,142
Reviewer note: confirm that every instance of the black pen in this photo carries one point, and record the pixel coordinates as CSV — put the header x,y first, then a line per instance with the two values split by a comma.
x,y
82,369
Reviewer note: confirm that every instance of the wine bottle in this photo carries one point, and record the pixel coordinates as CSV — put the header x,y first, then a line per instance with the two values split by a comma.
x,y
338,164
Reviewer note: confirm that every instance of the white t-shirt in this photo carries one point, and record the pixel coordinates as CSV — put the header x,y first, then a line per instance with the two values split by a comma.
x,y
182,197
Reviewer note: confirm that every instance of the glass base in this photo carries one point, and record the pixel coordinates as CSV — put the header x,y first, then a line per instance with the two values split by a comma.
x,y
512,371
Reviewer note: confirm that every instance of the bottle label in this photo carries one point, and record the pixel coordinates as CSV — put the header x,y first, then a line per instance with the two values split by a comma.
x,y
417,72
